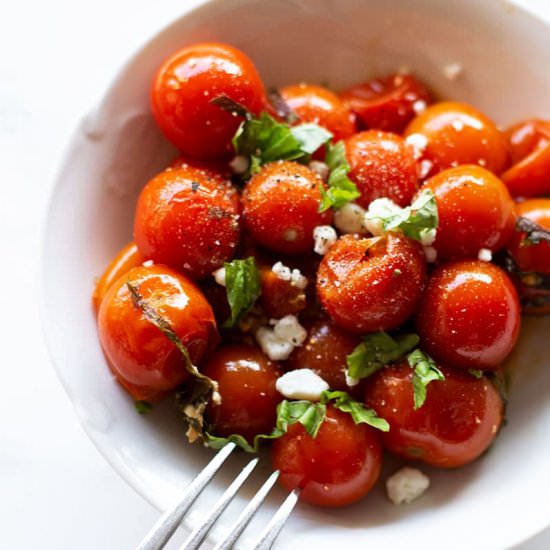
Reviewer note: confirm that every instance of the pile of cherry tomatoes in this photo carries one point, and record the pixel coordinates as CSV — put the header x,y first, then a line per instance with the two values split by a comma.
x,y
408,325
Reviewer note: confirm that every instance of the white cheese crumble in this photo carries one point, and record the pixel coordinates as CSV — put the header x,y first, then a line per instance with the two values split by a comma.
x,y
485,255
406,485
431,254
418,142
320,168
239,164
279,341
427,237
219,276
452,71
350,381
378,210
301,384
324,236
350,218
294,276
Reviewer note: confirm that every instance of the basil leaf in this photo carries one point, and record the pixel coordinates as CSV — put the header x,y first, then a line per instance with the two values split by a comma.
x,y
535,234
143,407
310,137
476,373
231,106
360,414
425,372
281,107
376,351
341,189
242,285
215,442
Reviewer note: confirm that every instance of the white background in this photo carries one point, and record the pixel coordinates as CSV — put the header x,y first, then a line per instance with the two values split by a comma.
x,y
56,57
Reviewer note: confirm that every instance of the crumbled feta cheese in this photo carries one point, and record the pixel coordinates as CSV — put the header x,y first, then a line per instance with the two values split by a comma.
x,y
239,164
219,276
350,381
320,168
406,485
324,236
301,384
298,280
485,255
418,142
294,276
350,218
425,168
279,342
378,210
419,106
431,254
452,70
427,237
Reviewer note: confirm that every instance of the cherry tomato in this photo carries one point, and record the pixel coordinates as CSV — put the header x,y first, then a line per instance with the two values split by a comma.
x,y
246,380
317,104
469,316
529,144
374,284
336,468
188,218
459,134
475,211
382,165
387,103
458,421
126,259
281,207
324,352
280,297
143,359
186,83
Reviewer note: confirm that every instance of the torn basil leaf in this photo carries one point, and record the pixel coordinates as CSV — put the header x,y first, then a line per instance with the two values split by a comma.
x,y
281,107
425,371
476,373
242,285
143,407
231,106
534,233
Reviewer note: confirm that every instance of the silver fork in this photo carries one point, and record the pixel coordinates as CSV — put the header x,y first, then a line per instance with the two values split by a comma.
x,y
165,527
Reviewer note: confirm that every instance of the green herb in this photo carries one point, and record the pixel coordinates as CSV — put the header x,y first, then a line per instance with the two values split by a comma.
x,y
425,372
341,189
143,407
233,107
534,233
476,373
281,107
377,350
242,285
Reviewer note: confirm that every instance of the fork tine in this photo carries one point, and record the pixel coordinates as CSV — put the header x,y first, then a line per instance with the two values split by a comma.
x,y
247,514
164,528
273,528
198,535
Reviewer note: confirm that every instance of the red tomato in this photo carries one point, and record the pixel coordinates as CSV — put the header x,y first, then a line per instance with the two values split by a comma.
x,y
125,260
338,467
387,103
469,316
321,106
186,83
324,352
281,207
246,380
143,359
382,165
188,218
458,421
459,134
529,143
374,284
475,211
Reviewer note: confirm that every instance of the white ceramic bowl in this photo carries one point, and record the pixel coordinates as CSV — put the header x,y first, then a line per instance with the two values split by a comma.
x,y
499,501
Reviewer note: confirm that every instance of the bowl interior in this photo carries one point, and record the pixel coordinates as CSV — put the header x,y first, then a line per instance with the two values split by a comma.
x,y
117,149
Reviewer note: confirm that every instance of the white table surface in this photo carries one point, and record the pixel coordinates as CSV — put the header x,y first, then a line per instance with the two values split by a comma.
x,y
56,57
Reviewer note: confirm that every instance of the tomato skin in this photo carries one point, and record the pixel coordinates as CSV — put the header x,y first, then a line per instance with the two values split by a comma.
x,y
469,316
475,211
281,207
459,134
188,218
367,285
386,103
456,424
321,106
246,380
144,361
382,165
127,258
186,83
529,143
337,468
324,352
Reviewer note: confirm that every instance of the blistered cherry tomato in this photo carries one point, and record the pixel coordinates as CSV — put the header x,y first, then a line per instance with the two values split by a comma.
x,y
455,134
125,260
246,380
324,352
281,207
338,467
458,421
387,103
469,316
280,297
475,211
188,218
142,358
183,89
529,144
382,165
317,104
374,284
